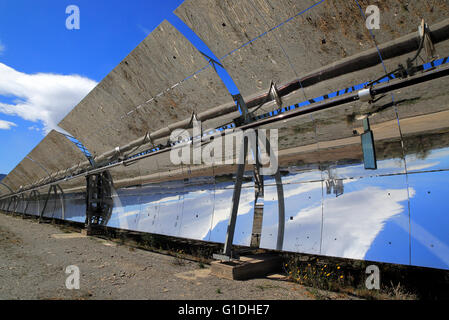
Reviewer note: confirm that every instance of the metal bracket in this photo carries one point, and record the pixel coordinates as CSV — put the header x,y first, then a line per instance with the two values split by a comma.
x,y
274,94
148,137
424,33
246,115
365,95
118,153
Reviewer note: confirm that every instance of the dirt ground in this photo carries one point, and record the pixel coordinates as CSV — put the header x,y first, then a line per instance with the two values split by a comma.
x,y
34,257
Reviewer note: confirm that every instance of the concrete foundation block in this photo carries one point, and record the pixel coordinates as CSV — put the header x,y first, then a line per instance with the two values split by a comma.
x,y
247,267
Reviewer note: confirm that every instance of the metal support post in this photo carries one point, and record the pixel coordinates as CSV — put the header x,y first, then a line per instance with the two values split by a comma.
x,y
281,202
62,200
16,204
235,201
50,190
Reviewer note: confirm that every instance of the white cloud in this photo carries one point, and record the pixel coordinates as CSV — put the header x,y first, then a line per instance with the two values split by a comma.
x,y
355,219
35,128
6,125
42,97
420,167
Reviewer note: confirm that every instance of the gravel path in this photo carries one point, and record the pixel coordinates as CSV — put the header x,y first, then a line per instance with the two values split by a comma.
x,y
33,259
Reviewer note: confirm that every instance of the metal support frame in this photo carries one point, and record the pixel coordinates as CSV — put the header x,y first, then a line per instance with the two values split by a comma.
x,y
37,197
26,205
61,197
16,204
281,204
34,195
99,202
281,210
12,202
9,204
227,250
258,178
53,188
22,199
235,202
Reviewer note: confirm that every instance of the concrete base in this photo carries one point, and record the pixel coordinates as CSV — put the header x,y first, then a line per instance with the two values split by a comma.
x,y
247,267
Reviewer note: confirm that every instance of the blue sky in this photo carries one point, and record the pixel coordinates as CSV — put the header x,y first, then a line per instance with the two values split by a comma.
x,y
34,40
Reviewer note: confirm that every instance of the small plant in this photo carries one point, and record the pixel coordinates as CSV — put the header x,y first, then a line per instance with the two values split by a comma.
x,y
399,293
201,265
315,275
219,291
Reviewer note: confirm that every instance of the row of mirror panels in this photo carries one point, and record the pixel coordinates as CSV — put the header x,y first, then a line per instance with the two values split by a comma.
x,y
398,219
334,207
393,218
198,211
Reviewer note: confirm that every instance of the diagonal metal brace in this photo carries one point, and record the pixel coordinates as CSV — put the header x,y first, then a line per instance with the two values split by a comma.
x,y
53,189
